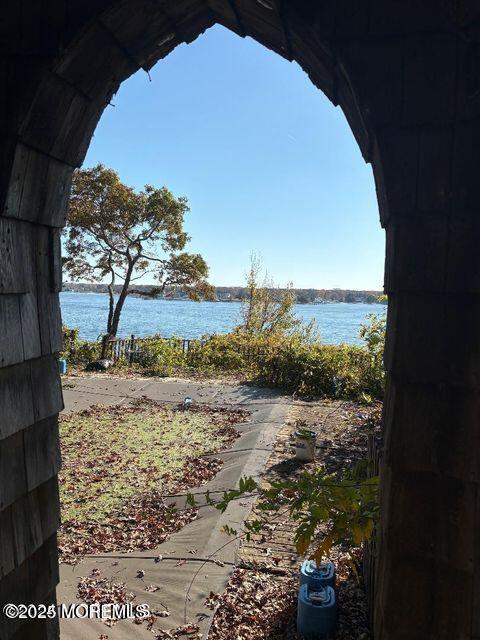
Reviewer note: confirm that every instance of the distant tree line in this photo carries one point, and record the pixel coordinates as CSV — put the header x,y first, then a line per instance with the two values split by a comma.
x,y
302,296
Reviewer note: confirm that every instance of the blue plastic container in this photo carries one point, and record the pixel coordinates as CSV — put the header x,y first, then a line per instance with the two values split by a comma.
x,y
62,366
315,577
317,613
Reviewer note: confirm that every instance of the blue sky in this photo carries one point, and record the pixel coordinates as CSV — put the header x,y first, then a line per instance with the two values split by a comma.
x,y
266,161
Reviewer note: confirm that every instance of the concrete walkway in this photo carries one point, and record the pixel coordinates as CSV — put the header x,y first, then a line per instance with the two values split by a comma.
x,y
198,540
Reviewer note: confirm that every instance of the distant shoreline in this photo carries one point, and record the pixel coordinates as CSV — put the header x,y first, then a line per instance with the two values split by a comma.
x,y
238,294
234,301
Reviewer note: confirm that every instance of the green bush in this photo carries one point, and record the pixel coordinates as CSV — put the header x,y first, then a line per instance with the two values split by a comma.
x,y
235,352
297,363
161,357
310,369
319,370
78,352
373,334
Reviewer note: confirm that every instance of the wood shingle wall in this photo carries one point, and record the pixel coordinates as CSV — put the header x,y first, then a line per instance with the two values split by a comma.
x,y
30,398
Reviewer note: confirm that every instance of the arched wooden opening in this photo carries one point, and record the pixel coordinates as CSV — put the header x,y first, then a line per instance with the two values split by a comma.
x,y
406,76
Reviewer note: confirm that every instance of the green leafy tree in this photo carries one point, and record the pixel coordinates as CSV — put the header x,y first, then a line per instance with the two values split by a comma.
x,y
373,334
114,232
267,310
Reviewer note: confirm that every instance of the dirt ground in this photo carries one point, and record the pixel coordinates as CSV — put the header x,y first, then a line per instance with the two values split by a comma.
x,y
260,602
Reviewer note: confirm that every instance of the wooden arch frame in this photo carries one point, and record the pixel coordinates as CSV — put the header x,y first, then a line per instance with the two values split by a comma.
x,y
406,76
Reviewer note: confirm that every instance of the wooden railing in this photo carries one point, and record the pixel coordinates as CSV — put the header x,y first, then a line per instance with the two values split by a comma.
x,y
118,348
127,348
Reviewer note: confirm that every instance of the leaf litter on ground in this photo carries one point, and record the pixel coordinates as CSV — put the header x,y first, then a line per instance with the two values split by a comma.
x,y
259,603
120,463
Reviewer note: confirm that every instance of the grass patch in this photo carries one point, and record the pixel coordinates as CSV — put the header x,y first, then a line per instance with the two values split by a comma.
x,y
119,461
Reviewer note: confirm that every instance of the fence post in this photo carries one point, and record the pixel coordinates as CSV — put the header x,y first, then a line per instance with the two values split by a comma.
x,y
103,353
132,348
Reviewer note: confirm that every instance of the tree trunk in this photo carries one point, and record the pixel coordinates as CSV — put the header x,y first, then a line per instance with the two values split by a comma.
x,y
111,307
115,320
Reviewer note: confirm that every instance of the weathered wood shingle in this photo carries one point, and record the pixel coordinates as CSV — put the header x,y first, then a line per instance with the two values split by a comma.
x,y
27,523
29,392
42,452
11,343
39,189
14,252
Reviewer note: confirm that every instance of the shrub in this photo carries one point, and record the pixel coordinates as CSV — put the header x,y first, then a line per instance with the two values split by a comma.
x,y
76,351
297,363
236,352
327,510
161,357
317,370
373,334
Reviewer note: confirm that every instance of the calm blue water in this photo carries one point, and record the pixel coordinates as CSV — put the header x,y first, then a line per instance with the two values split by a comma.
x,y
88,312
